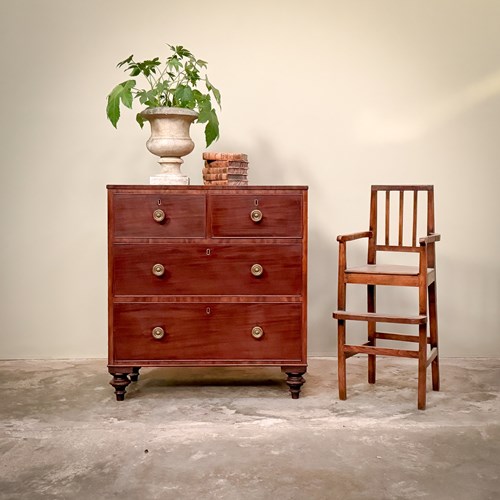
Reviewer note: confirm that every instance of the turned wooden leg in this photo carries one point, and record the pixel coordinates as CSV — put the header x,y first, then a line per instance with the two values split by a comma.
x,y
294,379
120,381
134,376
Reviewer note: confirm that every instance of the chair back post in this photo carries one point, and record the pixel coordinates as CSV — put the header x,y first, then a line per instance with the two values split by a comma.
x,y
431,251
372,241
341,292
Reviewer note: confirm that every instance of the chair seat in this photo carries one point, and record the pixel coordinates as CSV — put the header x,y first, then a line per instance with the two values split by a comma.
x,y
384,269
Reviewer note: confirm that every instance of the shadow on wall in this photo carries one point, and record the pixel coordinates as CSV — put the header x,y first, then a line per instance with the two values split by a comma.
x,y
322,294
331,212
269,168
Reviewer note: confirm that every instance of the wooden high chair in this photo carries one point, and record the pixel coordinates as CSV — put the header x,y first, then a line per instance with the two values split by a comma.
x,y
422,276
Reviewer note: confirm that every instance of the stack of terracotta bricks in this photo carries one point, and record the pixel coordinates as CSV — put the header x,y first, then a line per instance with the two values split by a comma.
x,y
225,169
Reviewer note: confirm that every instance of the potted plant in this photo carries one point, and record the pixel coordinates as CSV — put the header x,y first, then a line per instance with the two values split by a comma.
x,y
173,101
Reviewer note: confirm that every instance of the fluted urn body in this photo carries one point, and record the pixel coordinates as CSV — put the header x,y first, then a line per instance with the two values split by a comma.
x,y
170,141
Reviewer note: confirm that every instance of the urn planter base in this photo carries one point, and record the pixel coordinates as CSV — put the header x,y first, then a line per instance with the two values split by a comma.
x,y
170,174
169,180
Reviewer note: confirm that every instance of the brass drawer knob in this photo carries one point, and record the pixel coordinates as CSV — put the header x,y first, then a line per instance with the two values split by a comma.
x,y
256,215
158,270
158,333
257,270
257,332
159,215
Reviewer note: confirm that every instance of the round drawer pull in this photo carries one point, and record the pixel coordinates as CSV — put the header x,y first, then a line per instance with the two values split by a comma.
x,y
256,215
257,332
257,270
158,270
158,333
159,215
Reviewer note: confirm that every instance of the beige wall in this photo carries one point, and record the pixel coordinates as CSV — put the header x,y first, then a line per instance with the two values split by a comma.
x,y
334,94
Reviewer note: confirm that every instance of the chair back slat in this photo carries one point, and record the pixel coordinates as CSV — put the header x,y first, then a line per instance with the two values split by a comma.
x,y
401,211
387,216
415,217
402,239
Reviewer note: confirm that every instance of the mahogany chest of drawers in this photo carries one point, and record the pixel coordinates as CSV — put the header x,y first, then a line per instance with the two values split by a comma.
x,y
207,276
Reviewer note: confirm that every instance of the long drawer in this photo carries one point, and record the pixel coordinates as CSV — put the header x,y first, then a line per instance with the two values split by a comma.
x,y
212,331
195,269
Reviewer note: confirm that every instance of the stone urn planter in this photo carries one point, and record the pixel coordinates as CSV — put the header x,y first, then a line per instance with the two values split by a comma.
x,y
170,141
177,92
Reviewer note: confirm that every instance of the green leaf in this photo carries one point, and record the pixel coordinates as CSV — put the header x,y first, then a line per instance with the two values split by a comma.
x,y
182,52
173,63
149,98
214,91
126,95
212,128
121,93
205,109
183,96
192,73
149,66
125,61
113,109
139,119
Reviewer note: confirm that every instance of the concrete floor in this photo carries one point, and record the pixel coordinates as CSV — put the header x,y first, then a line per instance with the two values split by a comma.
x,y
235,433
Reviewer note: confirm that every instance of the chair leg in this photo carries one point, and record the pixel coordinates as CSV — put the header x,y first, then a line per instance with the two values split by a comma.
x,y
341,360
422,366
422,347
433,327
372,325
341,303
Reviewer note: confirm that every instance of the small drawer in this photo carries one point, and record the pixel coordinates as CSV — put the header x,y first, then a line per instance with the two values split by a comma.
x,y
158,216
195,269
210,332
270,216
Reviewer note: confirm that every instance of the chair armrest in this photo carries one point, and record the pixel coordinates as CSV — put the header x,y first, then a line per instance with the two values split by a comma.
x,y
432,238
354,236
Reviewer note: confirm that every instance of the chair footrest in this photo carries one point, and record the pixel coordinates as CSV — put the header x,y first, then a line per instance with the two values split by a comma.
x,y
382,318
